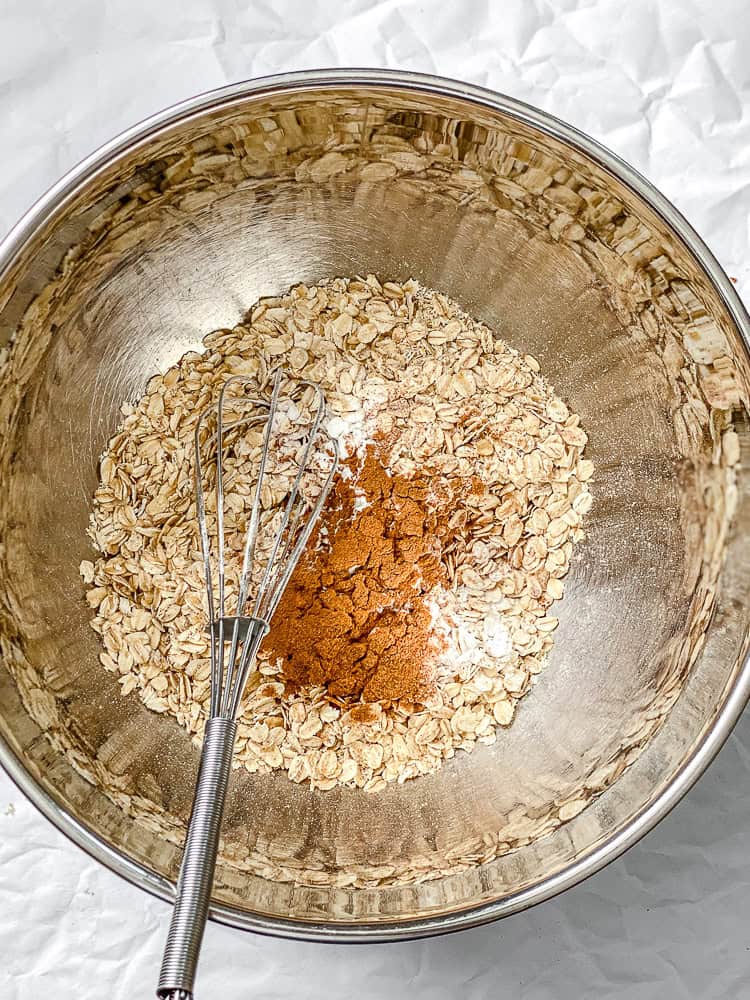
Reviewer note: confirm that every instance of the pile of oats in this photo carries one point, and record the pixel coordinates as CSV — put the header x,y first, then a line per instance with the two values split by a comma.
x,y
402,363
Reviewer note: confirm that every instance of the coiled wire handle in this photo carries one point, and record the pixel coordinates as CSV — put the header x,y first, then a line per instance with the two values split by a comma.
x,y
198,863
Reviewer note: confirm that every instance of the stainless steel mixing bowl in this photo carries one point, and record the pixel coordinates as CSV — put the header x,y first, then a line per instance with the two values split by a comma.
x,y
174,229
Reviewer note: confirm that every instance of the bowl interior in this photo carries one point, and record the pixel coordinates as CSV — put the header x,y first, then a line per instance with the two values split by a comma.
x,y
178,233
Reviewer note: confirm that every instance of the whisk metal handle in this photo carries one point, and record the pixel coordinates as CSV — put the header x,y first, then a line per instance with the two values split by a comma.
x,y
198,863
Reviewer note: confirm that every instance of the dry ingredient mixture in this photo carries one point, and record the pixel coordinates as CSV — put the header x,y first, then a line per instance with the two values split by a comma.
x,y
421,612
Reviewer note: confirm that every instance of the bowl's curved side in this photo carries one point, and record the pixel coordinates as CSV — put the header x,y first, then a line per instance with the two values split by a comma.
x,y
97,170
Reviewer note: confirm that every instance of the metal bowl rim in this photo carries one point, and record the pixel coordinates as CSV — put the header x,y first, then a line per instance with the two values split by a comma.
x,y
737,694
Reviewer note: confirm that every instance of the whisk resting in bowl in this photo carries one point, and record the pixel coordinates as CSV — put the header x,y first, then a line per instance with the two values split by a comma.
x,y
275,537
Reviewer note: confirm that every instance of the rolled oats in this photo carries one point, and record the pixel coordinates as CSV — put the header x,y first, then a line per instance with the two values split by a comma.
x,y
395,360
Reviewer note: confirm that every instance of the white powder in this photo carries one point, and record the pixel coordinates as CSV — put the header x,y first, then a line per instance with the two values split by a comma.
x,y
360,500
465,643
497,639
352,432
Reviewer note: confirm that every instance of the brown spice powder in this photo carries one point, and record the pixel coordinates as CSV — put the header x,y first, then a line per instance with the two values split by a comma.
x,y
354,617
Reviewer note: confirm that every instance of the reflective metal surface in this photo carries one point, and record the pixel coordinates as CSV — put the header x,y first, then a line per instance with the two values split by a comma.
x,y
175,229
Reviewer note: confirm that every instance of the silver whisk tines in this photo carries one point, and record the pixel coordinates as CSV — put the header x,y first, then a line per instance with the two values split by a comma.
x,y
298,517
275,537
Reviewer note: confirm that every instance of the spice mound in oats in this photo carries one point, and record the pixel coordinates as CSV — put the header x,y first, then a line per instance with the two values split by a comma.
x,y
421,611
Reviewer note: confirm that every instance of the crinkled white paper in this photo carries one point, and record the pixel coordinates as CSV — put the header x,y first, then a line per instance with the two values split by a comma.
x,y
666,84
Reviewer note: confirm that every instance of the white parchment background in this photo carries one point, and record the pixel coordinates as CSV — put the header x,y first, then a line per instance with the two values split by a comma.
x,y
666,84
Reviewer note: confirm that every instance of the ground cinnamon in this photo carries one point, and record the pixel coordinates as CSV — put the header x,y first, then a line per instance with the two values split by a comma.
x,y
355,616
